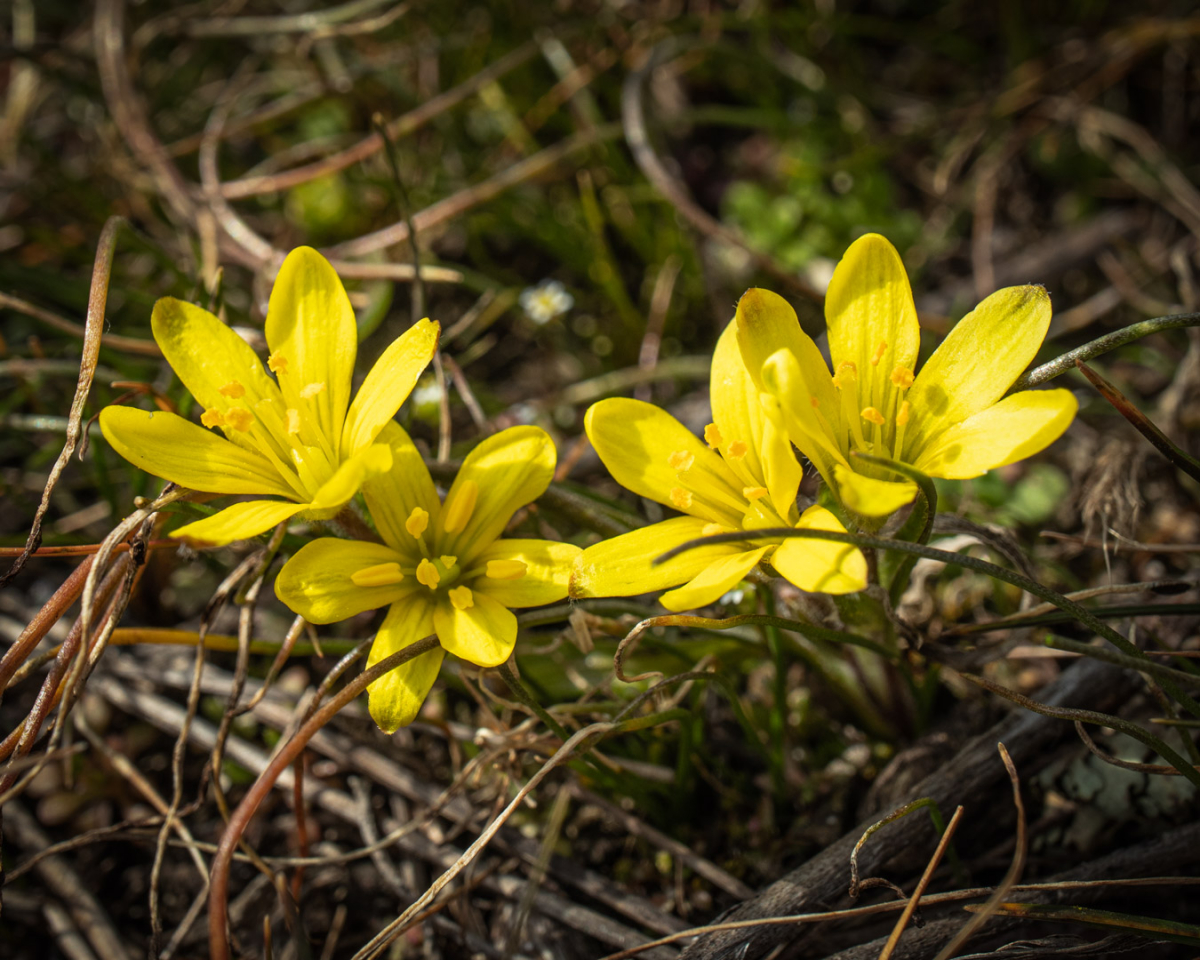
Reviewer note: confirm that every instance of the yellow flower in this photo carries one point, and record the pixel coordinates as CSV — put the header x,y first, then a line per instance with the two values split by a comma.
x,y
948,421
441,567
743,476
300,438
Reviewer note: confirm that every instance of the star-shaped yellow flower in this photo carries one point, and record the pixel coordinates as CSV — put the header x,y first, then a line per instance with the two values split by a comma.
x,y
442,567
948,421
299,437
744,477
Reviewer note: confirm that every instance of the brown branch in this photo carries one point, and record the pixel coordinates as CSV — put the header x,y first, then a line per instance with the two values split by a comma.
x,y
94,328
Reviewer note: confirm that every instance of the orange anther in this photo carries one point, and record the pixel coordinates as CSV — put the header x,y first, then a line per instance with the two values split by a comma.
x,y
681,460
239,418
681,498
902,377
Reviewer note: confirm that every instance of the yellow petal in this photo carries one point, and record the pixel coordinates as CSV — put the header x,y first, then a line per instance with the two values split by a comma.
x,y
636,441
350,475
870,497
510,469
734,397
238,522
739,416
310,325
766,323
211,360
483,634
548,568
178,450
714,581
976,364
316,583
787,402
1013,429
821,566
869,303
388,384
782,469
395,698
623,566
392,495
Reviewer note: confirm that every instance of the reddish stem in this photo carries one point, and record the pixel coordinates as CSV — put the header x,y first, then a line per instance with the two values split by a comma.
x,y
42,621
218,893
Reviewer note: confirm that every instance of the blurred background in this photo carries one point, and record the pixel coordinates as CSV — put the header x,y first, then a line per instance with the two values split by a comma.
x,y
584,190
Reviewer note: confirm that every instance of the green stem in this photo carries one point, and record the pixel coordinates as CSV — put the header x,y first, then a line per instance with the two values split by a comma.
x,y
1159,670
1081,614
1110,341
777,718
1096,719
522,694
918,528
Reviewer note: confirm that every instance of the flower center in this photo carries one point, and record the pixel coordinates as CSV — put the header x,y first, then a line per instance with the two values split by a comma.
x,y
440,573
879,427
290,437
708,494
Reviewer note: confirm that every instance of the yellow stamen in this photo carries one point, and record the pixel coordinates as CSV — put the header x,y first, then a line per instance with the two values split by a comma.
x,y
233,390
873,416
737,450
293,420
682,499
847,374
380,575
681,460
240,418
459,506
506,569
712,436
448,561
427,574
212,418
312,389
879,352
417,522
754,493
712,529
902,416
902,377
461,598
277,363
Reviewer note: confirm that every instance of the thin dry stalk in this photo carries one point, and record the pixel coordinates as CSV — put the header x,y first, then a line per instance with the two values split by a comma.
x,y
218,891
37,628
911,906
633,118
399,128
1010,878
214,606
93,331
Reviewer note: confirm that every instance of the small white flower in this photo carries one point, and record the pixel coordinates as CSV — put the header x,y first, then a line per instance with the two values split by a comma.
x,y
427,393
546,301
